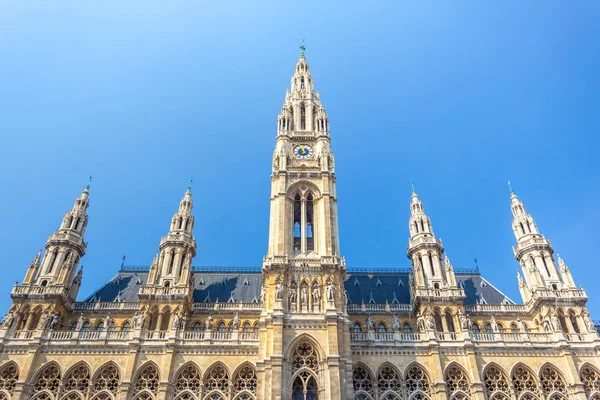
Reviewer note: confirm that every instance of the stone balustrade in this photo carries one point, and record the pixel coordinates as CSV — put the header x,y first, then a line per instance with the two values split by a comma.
x,y
240,307
106,306
531,242
496,308
378,308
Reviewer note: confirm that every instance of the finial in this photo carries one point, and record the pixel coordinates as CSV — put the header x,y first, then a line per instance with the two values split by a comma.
x,y
87,188
412,186
189,189
302,49
123,263
510,188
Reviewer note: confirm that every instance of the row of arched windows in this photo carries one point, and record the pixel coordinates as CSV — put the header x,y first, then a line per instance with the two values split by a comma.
x,y
522,383
78,383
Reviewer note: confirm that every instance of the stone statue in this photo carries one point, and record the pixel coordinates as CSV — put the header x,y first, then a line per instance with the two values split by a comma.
x,y
138,320
346,298
589,323
55,321
304,295
236,322
316,295
370,324
80,322
556,323
68,261
430,322
45,321
420,323
176,320
107,322
8,320
465,323
183,322
493,324
262,294
330,291
279,291
522,325
208,323
292,295
546,324
395,323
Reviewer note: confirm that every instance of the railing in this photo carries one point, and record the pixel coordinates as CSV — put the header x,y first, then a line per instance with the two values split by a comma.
x,y
446,336
561,294
106,305
20,335
512,308
249,336
37,290
425,239
484,337
221,336
410,336
227,307
163,291
440,293
539,337
358,308
158,335
526,243
575,337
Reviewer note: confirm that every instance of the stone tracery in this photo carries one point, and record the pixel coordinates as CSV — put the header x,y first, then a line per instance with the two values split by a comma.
x,y
591,382
389,380
553,383
77,382
188,380
216,383
245,383
8,378
146,383
106,380
457,383
47,383
362,382
496,383
524,383
417,383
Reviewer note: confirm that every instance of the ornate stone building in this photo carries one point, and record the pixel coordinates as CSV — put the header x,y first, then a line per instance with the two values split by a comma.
x,y
303,327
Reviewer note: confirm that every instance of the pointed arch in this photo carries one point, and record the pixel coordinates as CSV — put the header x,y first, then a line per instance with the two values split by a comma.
x,y
389,379
9,375
216,381
145,394
103,395
146,380
302,338
188,379
363,381
186,395
43,395
524,382
417,382
311,187
107,379
244,380
458,383
590,377
495,381
77,379
73,395
553,382
47,379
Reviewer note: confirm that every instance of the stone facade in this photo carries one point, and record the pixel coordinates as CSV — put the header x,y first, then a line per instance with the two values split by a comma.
x,y
303,327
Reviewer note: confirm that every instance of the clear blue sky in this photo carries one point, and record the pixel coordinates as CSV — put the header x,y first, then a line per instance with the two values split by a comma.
x,y
458,96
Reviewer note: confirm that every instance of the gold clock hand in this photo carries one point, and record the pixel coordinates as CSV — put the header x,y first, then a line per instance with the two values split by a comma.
x,y
303,150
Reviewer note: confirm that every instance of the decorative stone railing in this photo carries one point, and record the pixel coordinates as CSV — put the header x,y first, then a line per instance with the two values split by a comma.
x,y
218,336
496,308
164,291
241,307
440,294
425,240
379,308
385,336
37,290
178,238
106,305
559,294
530,242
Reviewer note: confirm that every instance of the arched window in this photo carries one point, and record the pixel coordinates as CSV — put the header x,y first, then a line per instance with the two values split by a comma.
x,y
126,326
256,327
524,382
457,383
417,383
100,326
9,375
522,228
475,328
431,263
381,327
438,322
363,382
573,320
590,377
86,326
302,117
222,327
245,381
297,221
247,327
406,328
449,321
389,380
171,262
77,381
528,227
166,318
216,382
356,328
545,265
514,328
147,380
52,261
416,227
107,380
47,379
488,328
496,383
552,382
310,239
188,379
301,83
197,327
305,361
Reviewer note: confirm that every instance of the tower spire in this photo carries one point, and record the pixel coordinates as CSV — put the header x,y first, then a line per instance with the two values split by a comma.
x,y
302,49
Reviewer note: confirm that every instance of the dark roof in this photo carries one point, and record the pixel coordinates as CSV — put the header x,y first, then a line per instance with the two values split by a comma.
x,y
243,284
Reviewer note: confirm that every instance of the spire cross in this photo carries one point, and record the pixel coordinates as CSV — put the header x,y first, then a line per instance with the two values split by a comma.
x,y
510,188
302,49
412,186
190,185
89,183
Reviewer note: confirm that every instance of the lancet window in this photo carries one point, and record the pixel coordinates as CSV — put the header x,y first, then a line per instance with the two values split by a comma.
x,y
303,116
47,382
8,378
524,382
146,382
106,380
591,382
245,383
363,383
216,383
77,381
303,223
457,383
417,383
496,383
553,383
389,381
188,380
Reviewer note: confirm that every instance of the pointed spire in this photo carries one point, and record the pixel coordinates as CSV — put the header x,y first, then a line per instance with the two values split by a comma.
x,y
561,262
302,49
447,263
36,260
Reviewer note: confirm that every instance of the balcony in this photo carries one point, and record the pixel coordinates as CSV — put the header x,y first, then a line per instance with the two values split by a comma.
x,y
106,306
228,307
379,308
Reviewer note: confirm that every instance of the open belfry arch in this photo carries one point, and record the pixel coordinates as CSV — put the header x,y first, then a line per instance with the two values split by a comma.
x,y
301,326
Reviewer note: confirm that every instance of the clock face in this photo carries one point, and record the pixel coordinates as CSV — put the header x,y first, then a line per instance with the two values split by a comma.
x,y
303,151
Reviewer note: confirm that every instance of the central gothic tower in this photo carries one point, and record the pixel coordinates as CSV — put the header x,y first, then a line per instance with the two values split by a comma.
x,y
304,323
